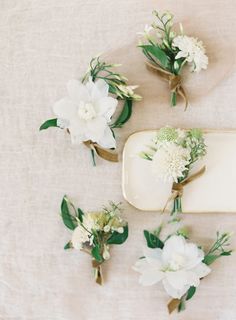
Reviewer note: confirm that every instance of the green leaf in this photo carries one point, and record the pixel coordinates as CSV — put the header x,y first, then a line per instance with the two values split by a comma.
x,y
191,292
49,123
68,245
80,214
158,53
96,254
69,221
124,115
226,253
152,240
209,259
181,306
119,238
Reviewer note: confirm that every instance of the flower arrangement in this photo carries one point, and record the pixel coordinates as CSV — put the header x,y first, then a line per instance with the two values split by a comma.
x,y
178,263
87,112
168,52
94,232
173,154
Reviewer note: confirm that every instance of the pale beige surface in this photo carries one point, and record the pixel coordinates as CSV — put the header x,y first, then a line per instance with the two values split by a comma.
x,y
43,44
147,192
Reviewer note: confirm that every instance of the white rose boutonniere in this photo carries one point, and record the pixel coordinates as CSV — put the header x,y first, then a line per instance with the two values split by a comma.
x,y
168,52
94,232
178,264
87,113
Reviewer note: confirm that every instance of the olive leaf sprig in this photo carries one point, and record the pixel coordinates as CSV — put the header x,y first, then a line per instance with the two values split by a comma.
x,y
94,232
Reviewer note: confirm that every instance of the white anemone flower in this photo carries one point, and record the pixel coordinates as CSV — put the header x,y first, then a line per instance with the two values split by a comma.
x,y
87,111
192,50
170,161
178,265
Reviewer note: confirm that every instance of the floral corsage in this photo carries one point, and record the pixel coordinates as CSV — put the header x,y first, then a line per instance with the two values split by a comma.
x,y
87,112
178,263
168,52
173,153
94,232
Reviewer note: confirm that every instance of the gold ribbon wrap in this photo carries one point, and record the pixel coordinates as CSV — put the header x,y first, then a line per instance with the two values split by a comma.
x,y
101,152
178,188
98,271
173,80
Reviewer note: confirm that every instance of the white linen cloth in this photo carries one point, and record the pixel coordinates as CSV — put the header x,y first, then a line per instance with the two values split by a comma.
x,y
44,43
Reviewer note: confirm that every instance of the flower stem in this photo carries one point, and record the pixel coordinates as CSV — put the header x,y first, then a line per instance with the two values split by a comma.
x,y
173,99
93,157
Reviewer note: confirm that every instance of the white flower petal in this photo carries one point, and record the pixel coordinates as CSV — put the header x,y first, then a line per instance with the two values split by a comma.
x,y
106,107
149,274
175,244
107,140
201,270
182,278
77,91
65,109
173,292
95,129
77,130
97,90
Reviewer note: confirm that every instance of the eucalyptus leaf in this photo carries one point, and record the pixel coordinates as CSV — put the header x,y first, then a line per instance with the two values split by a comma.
x,y
49,123
69,220
119,238
152,240
158,53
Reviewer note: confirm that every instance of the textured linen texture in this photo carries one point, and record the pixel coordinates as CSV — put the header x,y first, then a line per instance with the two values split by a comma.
x,y
44,43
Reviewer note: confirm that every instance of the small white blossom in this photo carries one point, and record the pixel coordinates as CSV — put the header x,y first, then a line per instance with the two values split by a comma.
x,y
120,230
192,50
178,265
170,161
107,228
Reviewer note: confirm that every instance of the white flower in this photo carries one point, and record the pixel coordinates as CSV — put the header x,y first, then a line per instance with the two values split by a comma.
x,y
87,111
178,265
79,237
193,50
170,161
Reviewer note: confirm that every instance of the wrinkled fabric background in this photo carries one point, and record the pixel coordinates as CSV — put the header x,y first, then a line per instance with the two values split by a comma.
x,y
44,43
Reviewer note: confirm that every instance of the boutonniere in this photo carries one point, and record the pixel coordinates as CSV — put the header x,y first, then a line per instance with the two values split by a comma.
x,y
94,232
167,52
173,153
178,263
87,112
